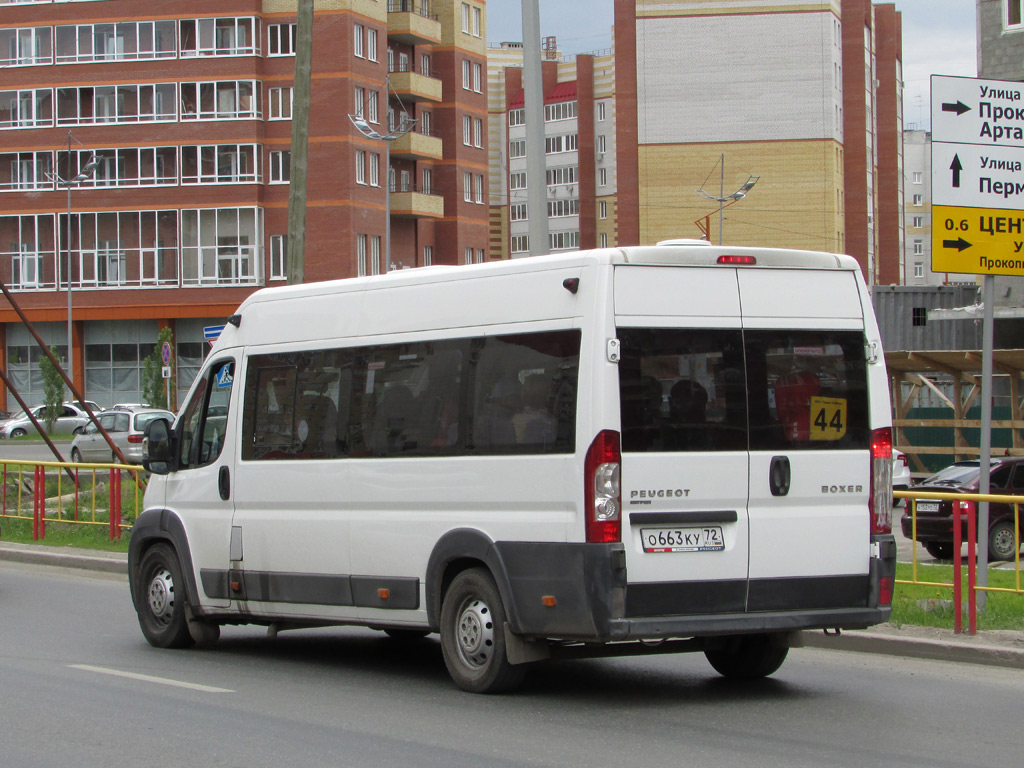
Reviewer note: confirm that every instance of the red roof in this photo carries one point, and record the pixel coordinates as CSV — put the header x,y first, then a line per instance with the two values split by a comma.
x,y
561,92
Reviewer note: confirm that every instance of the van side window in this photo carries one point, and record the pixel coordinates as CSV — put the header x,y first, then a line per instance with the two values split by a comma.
x,y
482,396
682,390
204,420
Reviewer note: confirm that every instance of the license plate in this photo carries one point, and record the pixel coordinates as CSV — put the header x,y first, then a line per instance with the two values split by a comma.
x,y
707,538
927,506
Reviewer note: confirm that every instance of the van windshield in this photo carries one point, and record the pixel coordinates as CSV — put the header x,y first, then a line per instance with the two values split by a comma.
x,y
735,390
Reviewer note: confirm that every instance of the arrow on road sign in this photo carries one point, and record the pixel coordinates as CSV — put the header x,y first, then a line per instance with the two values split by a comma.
x,y
960,244
959,108
956,167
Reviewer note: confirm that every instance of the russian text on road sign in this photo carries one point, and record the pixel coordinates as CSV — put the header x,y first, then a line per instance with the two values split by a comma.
x,y
982,241
977,176
968,110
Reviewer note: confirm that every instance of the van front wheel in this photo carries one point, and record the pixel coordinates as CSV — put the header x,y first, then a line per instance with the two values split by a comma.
x,y
747,657
160,599
473,635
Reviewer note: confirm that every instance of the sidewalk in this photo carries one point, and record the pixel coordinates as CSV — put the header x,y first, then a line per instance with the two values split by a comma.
x,y
999,648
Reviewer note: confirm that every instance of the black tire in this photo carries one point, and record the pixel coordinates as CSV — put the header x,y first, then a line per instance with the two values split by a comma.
x,y
940,550
1001,544
19,432
76,456
473,635
747,657
160,599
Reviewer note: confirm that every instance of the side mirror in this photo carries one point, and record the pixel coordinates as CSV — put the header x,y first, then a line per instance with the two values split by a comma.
x,y
157,447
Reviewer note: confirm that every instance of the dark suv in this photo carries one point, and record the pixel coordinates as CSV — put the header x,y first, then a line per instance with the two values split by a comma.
x,y
935,518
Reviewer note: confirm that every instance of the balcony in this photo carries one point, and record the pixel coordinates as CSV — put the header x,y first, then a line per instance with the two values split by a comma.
x,y
410,23
417,146
411,86
408,202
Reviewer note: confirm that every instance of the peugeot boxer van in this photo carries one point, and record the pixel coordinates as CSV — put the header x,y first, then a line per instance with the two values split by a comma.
x,y
668,448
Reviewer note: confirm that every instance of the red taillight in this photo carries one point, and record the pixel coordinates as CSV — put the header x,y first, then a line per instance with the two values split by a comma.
x,y
903,459
602,489
135,438
885,587
880,500
746,261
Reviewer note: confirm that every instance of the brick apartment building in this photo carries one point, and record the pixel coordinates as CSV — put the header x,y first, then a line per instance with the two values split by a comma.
x,y
178,118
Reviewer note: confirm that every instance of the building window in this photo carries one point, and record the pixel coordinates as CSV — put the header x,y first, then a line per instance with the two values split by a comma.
x,y
220,163
919,269
604,240
219,246
563,241
520,244
478,132
517,117
121,41
467,75
425,64
374,169
602,207
280,166
361,250
27,245
219,37
278,257
919,316
478,189
517,148
372,107
465,17
359,105
562,208
602,144
477,22
219,100
93,105
26,171
428,255
517,212
918,247
375,254
1014,17
281,39
917,222
918,200
25,46
563,110
602,177
467,187
468,257
428,181
917,177
601,111
357,42
360,166
478,77
29,108
565,174
280,106
467,130
517,180
371,44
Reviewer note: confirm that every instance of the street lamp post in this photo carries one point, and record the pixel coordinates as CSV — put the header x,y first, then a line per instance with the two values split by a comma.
x,y
369,132
86,173
723,200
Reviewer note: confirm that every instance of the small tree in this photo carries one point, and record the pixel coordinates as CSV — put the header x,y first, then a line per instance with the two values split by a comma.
x,y
152,371
53,390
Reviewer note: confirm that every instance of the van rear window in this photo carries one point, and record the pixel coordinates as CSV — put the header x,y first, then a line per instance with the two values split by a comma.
x,y
734,390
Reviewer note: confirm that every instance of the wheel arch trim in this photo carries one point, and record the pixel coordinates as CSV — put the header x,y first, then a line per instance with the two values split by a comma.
x,y
152,527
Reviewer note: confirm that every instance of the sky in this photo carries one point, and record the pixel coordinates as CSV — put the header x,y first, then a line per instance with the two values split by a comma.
x,y
938,38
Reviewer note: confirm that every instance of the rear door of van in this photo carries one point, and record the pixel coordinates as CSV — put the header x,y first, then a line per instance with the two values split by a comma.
x,y
744,428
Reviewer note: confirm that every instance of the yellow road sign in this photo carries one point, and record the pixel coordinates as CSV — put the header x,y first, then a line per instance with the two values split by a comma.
x,y
977,241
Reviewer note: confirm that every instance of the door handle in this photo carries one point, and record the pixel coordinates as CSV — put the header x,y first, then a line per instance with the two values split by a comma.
x,y
779,475
224,483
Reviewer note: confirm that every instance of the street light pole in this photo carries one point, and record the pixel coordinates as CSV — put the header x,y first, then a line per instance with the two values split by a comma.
x,y
724,200
68,183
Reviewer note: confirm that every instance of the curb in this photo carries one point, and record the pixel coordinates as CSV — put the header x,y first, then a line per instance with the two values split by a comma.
x,y
880,640
974,651
65,557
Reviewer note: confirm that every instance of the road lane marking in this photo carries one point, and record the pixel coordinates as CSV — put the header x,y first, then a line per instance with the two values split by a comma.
x,y
151,679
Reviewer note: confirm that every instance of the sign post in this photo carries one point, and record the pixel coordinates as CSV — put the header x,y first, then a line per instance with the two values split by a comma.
x,y
978,215
165,356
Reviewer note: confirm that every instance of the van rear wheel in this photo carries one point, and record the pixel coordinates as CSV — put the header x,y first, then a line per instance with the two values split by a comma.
x,y
747,657
160,599
473,635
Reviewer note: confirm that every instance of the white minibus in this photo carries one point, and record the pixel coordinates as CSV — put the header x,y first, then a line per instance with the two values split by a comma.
x,y
680,447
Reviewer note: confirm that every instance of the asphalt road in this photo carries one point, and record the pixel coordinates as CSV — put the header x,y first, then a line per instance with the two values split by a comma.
x,y
79,686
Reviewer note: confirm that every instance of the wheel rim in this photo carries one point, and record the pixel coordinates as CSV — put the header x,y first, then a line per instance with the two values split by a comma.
x,y
1002,542
474,632
161,596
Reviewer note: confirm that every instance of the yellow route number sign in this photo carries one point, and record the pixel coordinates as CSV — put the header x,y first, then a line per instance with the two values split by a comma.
x,y
828,418
977,241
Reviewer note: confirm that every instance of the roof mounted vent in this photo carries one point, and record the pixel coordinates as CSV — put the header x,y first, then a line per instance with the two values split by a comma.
x,y
684,241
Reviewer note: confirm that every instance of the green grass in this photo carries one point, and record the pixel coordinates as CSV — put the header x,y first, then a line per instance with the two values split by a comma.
x,y
1003,611
58,534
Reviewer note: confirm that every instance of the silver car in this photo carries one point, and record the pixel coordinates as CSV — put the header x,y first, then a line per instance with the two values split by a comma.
x,y
125,427
71,420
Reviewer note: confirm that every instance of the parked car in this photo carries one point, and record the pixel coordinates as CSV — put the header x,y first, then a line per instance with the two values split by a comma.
x,y
94,407
935,518
71,420
125,427
129,406
901,480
